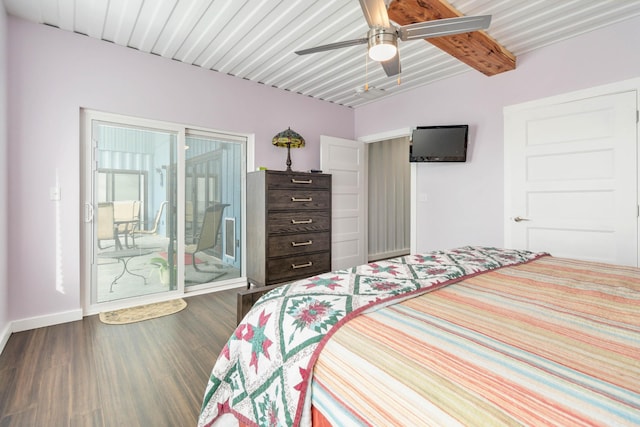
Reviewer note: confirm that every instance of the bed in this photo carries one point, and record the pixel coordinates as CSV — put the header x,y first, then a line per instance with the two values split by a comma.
x,y
470,336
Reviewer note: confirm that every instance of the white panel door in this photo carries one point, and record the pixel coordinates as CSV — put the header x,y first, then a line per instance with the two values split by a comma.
x,y
570,178
345,160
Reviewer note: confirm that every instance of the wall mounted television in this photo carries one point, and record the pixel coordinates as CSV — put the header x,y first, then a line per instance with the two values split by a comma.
x,y
439,144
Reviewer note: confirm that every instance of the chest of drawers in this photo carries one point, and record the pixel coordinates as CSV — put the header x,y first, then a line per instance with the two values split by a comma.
x,y
288,226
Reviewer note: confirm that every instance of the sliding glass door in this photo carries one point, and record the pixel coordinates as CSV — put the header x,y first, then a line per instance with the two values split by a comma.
x,y
213,206
164,210
133,167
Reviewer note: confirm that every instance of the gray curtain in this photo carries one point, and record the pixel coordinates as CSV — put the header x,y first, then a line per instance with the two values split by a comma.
x,y
389,198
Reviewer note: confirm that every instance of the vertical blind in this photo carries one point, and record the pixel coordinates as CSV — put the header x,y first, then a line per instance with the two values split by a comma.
x,y
389,198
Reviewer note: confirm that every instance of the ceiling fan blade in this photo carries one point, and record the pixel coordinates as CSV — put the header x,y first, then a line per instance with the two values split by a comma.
x,y
392,66
332,46
444,27
375,12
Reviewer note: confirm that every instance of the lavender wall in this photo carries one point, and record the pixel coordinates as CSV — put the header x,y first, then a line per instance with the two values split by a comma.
x,y
52,74
4,287
462,204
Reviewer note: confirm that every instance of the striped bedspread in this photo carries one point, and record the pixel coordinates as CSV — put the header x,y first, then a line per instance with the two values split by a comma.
x,y
263,373
552,342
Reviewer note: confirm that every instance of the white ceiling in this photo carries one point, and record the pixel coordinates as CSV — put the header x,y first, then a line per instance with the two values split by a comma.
x,y
256,39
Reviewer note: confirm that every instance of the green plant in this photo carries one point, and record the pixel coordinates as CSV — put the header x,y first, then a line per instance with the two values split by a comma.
x,y
163,269
161,263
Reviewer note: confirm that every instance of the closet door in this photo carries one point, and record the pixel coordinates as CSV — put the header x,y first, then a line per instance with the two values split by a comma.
x,y
570,177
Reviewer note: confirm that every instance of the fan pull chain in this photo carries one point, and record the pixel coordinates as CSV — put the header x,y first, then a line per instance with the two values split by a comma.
x,y
400,73
366,72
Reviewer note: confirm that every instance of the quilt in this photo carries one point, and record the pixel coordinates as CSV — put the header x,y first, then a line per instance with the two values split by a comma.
x,y
551,342
264,371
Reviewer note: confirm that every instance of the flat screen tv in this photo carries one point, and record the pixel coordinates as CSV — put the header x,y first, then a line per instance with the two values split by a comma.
x,y
439,144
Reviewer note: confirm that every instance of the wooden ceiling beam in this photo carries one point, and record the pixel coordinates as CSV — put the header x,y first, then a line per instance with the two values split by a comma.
x,y
476,49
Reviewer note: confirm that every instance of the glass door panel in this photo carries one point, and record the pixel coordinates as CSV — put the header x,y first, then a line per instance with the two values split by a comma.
x,y
213,207
134,224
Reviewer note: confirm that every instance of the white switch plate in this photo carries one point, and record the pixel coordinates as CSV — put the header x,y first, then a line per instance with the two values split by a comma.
x,y
54,193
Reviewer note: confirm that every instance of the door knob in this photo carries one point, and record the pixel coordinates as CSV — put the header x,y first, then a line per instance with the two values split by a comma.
x,y
519,219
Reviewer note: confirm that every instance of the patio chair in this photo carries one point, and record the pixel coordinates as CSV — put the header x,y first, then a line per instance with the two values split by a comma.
x,y
156,222
106,229
127,218
208,237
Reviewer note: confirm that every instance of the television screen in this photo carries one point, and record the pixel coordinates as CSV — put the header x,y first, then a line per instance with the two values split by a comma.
x,y
439,144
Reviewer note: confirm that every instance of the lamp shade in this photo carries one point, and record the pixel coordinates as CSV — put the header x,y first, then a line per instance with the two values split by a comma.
x,y
288,138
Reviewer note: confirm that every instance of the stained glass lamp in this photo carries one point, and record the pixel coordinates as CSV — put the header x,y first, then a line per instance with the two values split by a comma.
x,y
290,139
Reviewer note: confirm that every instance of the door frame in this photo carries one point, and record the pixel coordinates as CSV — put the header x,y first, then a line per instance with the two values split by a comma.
x,y
597,91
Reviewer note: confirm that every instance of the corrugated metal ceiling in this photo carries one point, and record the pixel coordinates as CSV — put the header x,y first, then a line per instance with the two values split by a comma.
x,y
256,39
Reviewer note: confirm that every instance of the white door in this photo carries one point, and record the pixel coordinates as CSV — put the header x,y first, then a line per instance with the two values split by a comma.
x,y
570,178
345,160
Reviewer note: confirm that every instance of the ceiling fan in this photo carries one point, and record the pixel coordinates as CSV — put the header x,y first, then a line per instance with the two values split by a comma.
x,y
383,36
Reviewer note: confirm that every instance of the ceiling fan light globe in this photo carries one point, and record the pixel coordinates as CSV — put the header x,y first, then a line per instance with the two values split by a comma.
x,y
382,52
382,44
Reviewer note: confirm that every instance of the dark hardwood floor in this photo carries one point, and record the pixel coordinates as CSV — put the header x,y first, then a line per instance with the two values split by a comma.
x,y
87,373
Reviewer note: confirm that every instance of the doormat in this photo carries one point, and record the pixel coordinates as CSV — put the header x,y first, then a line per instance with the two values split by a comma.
x,y
142,312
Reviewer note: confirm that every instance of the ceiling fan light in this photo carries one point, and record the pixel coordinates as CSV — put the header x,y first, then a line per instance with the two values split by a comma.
x,y
382,44
382,52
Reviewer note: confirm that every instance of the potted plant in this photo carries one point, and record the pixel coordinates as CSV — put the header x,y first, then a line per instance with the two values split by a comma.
x,y
163,269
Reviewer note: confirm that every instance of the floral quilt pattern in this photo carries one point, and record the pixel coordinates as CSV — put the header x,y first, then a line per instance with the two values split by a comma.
x,y
263,372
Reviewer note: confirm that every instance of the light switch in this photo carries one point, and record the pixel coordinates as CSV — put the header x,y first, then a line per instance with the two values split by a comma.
x,y
54,193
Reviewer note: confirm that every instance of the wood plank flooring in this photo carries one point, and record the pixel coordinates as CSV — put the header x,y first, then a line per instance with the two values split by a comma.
x,y
87,373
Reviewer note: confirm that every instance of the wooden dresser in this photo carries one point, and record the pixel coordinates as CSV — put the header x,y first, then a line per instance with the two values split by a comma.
x,y
288,226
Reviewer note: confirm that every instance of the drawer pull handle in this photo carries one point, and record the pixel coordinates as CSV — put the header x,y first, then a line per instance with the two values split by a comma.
x,y
306,199
301,221
307,243
301,181
294,266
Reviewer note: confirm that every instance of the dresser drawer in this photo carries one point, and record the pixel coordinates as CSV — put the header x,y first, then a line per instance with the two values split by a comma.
x,y
298,244
298,267
298,181
295,199
299,222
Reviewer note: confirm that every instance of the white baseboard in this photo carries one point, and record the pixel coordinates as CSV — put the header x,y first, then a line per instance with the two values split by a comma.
x,y
4,336
47,320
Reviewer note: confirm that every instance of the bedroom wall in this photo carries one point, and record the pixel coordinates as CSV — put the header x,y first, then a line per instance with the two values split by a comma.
x,y
460,204
4,287
52,74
